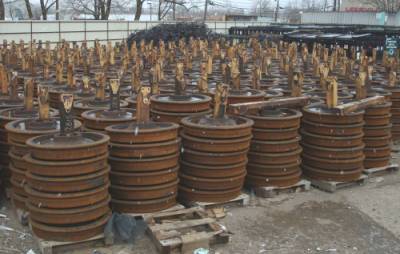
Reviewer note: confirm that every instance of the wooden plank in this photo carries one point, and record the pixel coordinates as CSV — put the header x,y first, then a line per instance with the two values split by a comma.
x,y
331,186
272,191
176,213
145,216
371,172
359,105
242,108
182,224
54,247
242,200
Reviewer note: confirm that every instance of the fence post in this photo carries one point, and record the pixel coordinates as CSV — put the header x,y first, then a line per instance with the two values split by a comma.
x,y
59,32
85,38
31,31
107,30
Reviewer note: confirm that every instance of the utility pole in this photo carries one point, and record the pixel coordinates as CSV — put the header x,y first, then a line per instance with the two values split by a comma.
x,y
277,10
151,9
173,10
57,10
205,11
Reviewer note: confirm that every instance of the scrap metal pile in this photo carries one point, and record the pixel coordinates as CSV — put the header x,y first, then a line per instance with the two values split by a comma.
x,y
146,125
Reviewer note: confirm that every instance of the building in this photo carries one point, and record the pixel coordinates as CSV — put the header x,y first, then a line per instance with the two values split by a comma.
x,y
356,6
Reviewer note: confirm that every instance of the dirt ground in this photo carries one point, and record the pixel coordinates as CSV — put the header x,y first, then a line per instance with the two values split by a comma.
x,y
363,219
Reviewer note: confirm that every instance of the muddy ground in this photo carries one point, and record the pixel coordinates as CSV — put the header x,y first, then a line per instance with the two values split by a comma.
x,y
363,219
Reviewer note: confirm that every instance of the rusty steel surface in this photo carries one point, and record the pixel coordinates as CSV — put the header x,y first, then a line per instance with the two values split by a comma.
x,y
379,110
93,104
19,150
332,129
273,170
67,200
276,119
145,150
377,141
171,117
143,206
137,133
188,195
379,131
68,216
321,114
68,184
19,201
280,181
74,147
376,162
213,158
275,146
144,164
213,171
137,193
332,141
207,183
65,168
11,114
68,233
275,134
215,145
99,119
207,127
331,175
377,152
382,120
144,178
332,164
180,103
275,158
337,153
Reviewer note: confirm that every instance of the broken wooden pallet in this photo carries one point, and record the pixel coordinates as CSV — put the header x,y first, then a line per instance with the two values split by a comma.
x,y
241,200
53,247
331,186
272,191
372,172
185,230
144,216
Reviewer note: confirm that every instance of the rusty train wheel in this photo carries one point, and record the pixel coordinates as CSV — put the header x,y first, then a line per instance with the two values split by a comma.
x,y
377,141
196,126
144,165
145,206
275,158
188,195
67,200
146,178
137,193
136,133
376,162
145,150
379,110
99,119
273,170
321,114
274,134
276,119
280,181
69,216
19,201
383,120
65,168
55,148
211,183
377,152
332,164
329,175
215,145
160,116
68,184
378,131
180,104
70,233
219,171
213,158
333,141
332,129
337,153
281,146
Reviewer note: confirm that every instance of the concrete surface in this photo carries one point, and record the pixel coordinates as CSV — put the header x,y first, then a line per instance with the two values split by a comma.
x,y
363,219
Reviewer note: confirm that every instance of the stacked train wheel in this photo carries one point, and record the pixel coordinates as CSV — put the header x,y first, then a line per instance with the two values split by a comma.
x,y
67,185
214,158
332,144
144,166
274,156
377,135
395,111
172,108
18,132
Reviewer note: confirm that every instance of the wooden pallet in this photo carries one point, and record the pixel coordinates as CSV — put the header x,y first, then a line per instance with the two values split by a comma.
x,y
53,247
272,191
185,230
331,186
145,216
372,172
241,200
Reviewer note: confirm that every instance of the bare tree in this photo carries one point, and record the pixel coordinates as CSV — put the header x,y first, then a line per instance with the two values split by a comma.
x,y
45,5
391,6
164,6
29,9
99,9
2,10
139,7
